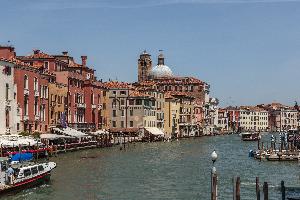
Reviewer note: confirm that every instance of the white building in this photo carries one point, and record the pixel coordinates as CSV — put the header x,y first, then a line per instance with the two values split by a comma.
x,y
9,112
253,118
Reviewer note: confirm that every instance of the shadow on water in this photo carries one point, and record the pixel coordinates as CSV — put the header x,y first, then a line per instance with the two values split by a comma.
x,y
173,170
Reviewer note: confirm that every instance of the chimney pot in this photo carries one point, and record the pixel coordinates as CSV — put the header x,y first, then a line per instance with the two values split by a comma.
x,y
83,59
65,53
36,51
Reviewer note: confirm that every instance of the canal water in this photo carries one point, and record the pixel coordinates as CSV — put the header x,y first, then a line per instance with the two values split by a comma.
x,y
174,170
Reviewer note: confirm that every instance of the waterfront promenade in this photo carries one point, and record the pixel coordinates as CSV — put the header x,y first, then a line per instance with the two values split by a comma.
x,y
174,170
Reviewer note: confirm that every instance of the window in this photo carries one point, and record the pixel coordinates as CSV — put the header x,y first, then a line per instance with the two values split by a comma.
x,y
26,82
6,91
114,113
122,102
36,106
114,92
131,112
114,124
26,105
122,124
34,170
131,102
27,172
123,92
122,113
46,65
131,123
104,93
35,85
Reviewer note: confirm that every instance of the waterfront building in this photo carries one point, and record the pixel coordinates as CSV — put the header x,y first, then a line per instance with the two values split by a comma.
x,y
233,114
171,113
281,117
9,110
223,120
253,118
161,78
57,103
131,111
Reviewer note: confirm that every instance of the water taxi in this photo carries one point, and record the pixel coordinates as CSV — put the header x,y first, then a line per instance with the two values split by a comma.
x,y
18,176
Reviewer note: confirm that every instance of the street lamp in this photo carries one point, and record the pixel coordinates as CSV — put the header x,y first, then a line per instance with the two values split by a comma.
x,y
214,157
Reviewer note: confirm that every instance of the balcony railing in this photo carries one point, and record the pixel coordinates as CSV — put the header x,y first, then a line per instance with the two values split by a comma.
x,y
94,106
25,117
81,105
36,93
26,91
37,118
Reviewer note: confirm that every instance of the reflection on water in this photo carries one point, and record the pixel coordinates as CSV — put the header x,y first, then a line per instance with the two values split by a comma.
x,y
174,170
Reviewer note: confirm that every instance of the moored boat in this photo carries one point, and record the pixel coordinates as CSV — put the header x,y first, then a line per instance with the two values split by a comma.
x,y
250,136
18,176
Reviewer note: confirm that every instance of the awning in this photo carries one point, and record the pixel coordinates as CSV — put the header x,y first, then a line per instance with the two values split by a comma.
x,y
53,136
99,132
74,133
155,131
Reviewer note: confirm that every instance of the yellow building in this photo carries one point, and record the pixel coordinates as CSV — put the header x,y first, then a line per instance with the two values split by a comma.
x,y
57,102
171,113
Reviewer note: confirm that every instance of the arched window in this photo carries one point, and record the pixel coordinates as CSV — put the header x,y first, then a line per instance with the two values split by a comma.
x,y
36,84
25,82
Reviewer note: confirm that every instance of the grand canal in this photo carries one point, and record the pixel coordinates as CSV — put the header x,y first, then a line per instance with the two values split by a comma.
x,y
174,170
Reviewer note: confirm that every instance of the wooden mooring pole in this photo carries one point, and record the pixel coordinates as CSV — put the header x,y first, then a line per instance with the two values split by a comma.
x,y
238,189
266,192
282,190
214,186
257,189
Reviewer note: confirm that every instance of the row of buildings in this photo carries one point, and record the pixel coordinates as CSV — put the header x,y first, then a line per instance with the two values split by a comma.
x,y
43,91
273,117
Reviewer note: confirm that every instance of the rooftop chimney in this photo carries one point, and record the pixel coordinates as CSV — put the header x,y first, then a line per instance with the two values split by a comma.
x,y
36,51
7,52
65,53
83,59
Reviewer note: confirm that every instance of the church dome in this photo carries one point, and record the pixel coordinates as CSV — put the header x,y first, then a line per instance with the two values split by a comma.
x,y
160,71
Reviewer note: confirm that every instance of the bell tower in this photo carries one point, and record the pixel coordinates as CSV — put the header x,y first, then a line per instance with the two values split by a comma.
x,y
144,66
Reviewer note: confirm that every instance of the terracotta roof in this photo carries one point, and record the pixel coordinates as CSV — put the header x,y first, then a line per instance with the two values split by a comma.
x,y
253,108
38,54
136,93
15,61
117,85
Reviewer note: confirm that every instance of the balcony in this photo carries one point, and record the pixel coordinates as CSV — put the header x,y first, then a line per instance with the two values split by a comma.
x,y
36,117
25,117
94,106
26,91
7,104
81,105
36,93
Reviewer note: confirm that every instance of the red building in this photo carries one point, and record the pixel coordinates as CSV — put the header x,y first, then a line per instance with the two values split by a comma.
x,y
233,118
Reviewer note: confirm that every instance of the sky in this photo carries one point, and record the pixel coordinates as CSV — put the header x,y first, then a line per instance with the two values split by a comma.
x,y
247,50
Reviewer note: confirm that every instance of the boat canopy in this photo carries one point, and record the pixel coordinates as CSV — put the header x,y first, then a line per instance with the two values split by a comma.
x,y
22,157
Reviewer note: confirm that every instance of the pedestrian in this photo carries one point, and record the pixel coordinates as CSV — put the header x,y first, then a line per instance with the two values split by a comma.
x,y
10,174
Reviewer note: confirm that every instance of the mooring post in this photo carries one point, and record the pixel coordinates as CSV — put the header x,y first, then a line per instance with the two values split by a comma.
x,y
282,190
233,188
257,189
214,177
266,192
238,188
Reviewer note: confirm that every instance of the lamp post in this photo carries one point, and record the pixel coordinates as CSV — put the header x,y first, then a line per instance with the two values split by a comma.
x,y
214,194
